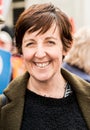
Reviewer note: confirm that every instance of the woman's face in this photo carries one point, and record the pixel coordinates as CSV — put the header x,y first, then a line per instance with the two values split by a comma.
x,y
42,53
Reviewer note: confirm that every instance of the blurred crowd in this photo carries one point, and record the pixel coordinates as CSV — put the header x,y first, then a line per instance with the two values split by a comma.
x,y
7,45
78,59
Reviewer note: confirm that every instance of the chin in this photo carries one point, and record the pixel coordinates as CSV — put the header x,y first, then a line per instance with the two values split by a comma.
x,y
42,79
42,76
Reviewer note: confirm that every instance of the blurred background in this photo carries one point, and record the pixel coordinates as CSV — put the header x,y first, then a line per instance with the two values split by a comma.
x,y
77,10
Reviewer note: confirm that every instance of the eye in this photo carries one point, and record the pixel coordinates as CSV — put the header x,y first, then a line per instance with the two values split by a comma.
x,y
29,44
51,42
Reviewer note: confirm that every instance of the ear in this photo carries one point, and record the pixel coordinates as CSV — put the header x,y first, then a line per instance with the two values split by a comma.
x,y
65,52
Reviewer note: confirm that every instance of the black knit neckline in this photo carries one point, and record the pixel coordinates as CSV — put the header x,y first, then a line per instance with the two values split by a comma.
x,y
48,100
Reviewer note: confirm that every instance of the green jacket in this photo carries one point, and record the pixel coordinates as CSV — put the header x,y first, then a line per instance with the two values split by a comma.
x,y
11,114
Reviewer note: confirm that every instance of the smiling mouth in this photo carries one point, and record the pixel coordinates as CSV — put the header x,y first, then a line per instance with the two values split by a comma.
x,y
42,65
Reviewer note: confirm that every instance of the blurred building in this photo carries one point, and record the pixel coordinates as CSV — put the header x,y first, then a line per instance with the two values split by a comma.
x,y
77,9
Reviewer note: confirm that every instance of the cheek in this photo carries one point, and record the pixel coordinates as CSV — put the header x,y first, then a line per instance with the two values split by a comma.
x,y
57,57
27,54
27,60
57,53
26,57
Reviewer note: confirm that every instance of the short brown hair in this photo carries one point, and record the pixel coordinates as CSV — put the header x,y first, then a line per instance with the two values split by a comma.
x,y
41,17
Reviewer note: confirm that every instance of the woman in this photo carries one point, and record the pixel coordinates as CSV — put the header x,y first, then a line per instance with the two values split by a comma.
x,y
78,59
46,97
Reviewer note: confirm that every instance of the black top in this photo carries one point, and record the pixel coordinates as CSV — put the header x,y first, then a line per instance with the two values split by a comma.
x,y
43,113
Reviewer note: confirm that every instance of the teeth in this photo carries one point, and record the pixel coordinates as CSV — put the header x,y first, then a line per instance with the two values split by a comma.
x,y
42,64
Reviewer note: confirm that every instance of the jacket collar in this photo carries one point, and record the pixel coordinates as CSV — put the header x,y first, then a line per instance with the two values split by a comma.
x,y
82,91
14,109
16,95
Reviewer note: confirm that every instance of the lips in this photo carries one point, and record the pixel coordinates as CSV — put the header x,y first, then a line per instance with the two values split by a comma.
x,y
42,65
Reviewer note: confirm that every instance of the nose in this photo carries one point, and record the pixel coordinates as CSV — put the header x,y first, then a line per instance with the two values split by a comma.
x,y
40,52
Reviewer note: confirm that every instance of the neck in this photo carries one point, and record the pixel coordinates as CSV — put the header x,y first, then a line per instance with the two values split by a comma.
x,y
53,88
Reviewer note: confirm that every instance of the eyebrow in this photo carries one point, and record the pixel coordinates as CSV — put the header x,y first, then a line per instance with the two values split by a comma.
x,y
51,38
26,40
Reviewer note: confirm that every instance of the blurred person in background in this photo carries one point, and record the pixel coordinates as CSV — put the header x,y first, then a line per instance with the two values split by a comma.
x,y
8,29
18,67
46,97
5,41
5,59
78,59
